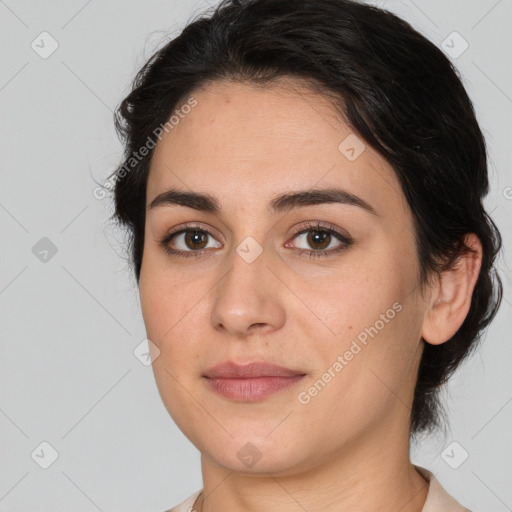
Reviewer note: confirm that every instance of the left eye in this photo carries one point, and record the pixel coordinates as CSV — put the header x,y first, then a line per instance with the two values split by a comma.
x,y
318,240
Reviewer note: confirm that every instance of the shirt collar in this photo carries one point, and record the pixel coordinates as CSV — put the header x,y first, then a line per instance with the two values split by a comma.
x,y
438,500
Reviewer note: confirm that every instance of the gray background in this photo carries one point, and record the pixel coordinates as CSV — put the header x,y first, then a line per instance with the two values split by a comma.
x,y
69,325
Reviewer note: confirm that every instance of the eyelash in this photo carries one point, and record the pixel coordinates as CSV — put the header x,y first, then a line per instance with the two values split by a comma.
x,y
317,227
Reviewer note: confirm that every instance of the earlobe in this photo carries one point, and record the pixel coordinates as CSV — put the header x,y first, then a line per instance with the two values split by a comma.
x,y
450,299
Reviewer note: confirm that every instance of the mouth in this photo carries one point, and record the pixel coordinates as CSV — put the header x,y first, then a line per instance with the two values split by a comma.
x,y
250,382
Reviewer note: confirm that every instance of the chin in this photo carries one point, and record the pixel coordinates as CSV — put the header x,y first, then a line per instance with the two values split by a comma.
x,y
254,454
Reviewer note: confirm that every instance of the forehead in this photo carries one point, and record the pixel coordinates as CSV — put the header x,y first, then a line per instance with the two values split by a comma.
x,y
251,142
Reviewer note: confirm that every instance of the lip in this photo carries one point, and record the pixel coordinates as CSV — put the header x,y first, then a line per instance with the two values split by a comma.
x,y
250,382
232,370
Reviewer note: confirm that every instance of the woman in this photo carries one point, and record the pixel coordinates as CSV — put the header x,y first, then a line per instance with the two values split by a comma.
x,y
303,186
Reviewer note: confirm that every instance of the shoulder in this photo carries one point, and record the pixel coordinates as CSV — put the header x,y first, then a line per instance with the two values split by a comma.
x,y
438,499
186,506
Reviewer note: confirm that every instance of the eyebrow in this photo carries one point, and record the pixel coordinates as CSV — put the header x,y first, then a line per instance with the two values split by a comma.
x,y
281,203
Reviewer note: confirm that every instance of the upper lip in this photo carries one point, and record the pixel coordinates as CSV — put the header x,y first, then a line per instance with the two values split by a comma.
x,y
232,370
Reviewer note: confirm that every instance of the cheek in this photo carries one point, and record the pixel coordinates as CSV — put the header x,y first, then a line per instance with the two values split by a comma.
x,y
342,303
170,309
170,305
360,376
366,315
164,296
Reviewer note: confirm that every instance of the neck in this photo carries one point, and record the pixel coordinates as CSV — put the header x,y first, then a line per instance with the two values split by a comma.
x,y
372,473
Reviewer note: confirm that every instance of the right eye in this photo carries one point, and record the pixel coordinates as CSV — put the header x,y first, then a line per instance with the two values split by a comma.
x,y
190,241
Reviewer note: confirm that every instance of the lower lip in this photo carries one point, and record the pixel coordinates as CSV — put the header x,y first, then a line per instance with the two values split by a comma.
x,y
251,389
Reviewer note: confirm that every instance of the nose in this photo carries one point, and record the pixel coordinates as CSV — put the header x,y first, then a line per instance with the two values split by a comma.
x,y
249,298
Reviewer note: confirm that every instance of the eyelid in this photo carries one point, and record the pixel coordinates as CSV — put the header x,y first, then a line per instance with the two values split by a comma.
x,y
189,227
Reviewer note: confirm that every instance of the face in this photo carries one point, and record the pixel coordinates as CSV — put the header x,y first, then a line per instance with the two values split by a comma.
x,y
324,286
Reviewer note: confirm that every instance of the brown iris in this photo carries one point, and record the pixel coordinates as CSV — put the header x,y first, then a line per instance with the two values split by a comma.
x,y
319,237
193,239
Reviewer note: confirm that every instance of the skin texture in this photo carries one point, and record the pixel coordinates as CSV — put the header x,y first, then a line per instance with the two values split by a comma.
x,y
348,447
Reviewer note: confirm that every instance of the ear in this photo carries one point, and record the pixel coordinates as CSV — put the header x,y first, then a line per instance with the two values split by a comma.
x,y
450,299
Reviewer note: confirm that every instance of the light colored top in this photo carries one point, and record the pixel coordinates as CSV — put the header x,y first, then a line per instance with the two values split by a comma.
x,y
438,500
